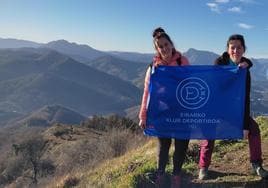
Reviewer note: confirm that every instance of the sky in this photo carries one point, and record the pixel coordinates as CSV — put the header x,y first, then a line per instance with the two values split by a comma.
x,y
127,25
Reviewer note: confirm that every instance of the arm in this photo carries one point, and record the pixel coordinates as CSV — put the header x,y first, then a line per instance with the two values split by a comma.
x,y
143,108
245,63
247,102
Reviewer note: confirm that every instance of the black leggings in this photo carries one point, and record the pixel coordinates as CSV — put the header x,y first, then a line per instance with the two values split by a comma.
x,y
178,156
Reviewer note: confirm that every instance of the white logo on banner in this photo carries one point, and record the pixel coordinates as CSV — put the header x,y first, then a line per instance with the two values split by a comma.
x,y
192,93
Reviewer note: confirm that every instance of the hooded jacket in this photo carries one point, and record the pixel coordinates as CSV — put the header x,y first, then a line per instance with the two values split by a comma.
x,y
224,59
156,62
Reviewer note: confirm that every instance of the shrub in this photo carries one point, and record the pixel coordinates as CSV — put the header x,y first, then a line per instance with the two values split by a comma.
x,y
70,182
192,154
30,152
13,170
110,122
46,167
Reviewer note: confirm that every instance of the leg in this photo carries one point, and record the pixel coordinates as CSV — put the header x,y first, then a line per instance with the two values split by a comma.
x,y
255,150
163,150
181,147
254,141
206,149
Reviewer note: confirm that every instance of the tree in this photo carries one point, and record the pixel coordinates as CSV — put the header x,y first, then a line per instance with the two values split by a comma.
x,y
31,151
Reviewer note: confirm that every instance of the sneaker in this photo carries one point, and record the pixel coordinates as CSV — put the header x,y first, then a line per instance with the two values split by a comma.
x,y
203,174
175,181
260,171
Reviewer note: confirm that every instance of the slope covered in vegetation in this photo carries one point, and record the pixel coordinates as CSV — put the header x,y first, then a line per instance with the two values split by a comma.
x,y
230,166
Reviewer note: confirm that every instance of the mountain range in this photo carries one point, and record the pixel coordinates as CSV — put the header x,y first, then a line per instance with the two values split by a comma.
x,y
90,81
85,54
34,77
51,114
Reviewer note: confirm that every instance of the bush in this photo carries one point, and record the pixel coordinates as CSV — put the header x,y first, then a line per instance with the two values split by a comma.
x,y
110,122
112,137
46,167
30,152
118,141
70,182
13,170
60,131
192,154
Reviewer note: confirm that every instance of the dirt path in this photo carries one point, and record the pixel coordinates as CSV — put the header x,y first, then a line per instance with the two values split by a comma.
x,y
230,170
233,170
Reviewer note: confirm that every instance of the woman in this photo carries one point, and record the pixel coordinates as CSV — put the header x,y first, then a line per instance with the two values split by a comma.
x,y
234,56
166,54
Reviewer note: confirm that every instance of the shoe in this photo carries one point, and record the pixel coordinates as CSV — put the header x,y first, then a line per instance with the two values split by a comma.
x,y
260,171
203,174
160,180
175,181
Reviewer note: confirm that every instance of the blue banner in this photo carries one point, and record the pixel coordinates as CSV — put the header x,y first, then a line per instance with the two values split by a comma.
x,y
196,102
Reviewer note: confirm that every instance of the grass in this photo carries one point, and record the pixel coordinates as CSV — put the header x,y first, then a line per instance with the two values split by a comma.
x,y
263,123
230,166
123,171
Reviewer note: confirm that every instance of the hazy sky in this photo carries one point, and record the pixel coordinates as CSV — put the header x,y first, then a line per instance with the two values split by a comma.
x,y
126,25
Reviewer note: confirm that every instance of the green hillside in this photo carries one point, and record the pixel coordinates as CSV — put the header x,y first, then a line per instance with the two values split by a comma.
x,y
112,152
230,166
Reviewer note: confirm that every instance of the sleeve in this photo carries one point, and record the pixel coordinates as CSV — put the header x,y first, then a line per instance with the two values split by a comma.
x,y
250,64
217,61
143,108
222,60
184,61
247,97
247,102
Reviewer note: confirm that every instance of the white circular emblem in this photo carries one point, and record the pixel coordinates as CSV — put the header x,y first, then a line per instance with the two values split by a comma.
x,y
192,93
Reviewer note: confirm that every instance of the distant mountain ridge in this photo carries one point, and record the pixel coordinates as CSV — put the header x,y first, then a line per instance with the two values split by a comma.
x,y
32,79
84,53
127,66
81,53
50,114
133,56
200,57
16,43
124,69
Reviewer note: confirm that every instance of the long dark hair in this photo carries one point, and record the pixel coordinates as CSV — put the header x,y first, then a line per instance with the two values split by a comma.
x,y
160,33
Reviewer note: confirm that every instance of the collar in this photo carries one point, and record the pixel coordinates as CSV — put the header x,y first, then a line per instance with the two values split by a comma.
x,y
157,60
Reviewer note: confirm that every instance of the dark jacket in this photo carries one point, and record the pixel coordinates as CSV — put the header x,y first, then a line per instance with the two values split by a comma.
x,y
224,59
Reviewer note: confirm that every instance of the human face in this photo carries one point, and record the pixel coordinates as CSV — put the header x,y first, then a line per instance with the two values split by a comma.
x,y
235,50
164,48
